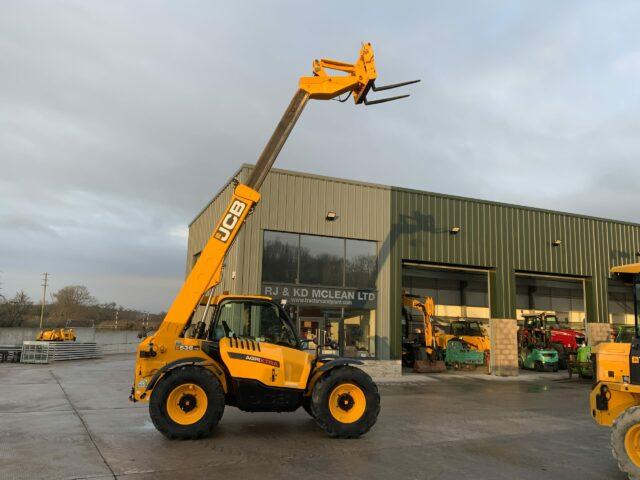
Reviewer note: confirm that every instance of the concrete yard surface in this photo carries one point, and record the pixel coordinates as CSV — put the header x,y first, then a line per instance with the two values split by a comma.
x,y
73,420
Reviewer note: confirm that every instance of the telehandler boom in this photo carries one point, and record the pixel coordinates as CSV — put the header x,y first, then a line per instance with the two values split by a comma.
x,y
213,350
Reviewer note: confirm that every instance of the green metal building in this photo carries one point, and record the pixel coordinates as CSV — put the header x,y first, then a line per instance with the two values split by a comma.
x,y
341,253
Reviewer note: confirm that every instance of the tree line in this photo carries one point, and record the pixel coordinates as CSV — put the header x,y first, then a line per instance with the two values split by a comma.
x,y
72,306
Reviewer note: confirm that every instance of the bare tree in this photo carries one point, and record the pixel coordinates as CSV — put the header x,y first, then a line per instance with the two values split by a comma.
x,y
14,311
71,302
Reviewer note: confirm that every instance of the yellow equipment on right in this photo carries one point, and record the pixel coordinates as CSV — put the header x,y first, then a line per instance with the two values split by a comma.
x,y
431,363
615,396
57,335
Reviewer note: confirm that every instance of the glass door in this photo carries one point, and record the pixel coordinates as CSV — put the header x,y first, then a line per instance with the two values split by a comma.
x,y
321,326
331,334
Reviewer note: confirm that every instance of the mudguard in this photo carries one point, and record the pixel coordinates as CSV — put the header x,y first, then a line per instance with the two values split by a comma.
x,y
172,365
338,362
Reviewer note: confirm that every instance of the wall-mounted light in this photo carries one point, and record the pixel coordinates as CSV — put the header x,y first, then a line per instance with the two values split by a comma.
x,y
557,243
331,216
454,230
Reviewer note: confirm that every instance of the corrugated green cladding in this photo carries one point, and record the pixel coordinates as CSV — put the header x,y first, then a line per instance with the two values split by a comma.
x,y
505,240
294,202
414,226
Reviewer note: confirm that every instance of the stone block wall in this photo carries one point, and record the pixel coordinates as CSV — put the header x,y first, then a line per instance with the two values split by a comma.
x,y
382,368
598,333
503,334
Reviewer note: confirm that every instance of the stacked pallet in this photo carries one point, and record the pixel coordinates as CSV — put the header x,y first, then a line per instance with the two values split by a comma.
x,y
10,353
46,352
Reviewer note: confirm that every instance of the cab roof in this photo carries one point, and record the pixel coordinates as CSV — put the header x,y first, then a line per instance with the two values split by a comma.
x,y
630,268
219,298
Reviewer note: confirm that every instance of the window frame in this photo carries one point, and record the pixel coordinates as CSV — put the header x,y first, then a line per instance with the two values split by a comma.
x,y
283,315
298,261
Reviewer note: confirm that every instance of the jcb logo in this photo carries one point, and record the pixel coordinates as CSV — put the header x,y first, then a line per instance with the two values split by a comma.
x,y
230,220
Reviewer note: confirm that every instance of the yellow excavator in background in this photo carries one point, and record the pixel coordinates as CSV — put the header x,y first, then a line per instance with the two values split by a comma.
x,y
615,396
215,349
57,335
426,359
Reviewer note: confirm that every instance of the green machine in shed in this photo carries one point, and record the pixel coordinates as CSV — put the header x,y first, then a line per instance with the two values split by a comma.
x,y
461,354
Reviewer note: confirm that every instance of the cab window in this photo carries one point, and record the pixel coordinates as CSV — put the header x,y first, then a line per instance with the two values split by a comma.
x,y
260,321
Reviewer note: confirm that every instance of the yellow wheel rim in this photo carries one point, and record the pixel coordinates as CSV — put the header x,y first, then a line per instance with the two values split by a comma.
x,y
187,404
632,444
347,403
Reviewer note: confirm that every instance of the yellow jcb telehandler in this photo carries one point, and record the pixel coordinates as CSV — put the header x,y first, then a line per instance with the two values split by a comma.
x,y
213,349
615,396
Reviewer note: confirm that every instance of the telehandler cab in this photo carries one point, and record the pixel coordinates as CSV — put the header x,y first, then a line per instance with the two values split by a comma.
x,y
615,396
213,350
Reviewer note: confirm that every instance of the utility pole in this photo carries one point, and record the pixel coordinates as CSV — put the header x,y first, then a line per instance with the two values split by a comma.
x,y
45,283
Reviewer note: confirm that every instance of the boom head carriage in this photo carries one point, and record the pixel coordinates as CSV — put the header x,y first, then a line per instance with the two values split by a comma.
x,y
359,79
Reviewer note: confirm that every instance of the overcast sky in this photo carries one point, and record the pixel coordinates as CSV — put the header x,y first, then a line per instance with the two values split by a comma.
x,y
120,120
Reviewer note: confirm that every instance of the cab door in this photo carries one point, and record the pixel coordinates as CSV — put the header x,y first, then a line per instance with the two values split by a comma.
x,y
258,342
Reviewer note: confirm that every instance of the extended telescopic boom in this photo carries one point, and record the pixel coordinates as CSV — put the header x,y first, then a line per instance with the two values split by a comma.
x,y
356,79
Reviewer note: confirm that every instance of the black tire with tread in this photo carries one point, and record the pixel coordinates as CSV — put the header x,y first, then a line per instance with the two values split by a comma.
x,y
306,404
320,402
215,403
620,426
562,355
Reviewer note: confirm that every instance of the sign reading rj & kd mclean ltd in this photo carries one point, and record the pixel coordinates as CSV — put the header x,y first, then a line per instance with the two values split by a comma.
x,y
302,295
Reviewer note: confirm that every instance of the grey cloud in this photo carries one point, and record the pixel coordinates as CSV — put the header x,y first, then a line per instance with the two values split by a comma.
x,y
120,120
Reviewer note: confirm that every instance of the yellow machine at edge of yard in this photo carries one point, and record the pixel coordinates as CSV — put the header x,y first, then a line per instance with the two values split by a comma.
x,y
57,335
615,397
213,350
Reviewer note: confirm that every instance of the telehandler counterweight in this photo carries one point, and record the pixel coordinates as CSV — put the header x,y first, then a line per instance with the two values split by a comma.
x,y
213,350
615,396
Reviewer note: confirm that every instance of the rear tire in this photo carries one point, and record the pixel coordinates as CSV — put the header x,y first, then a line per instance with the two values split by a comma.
x,y
187,403
345,402
625,429
562,355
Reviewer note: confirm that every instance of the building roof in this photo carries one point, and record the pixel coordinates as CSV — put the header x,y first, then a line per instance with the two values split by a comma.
x,y
249,166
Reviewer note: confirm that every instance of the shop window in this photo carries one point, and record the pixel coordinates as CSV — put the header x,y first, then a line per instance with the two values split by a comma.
x,y
359,333
360,264
317,260
280,257
321,260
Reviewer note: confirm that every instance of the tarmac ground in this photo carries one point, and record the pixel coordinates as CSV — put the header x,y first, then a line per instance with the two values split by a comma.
x,y
73,420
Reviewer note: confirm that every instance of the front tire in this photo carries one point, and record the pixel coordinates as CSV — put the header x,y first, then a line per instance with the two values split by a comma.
x,y
345,402
187,403
306,404
625,442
